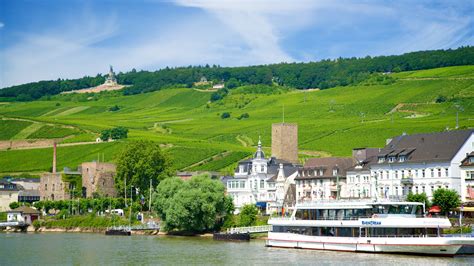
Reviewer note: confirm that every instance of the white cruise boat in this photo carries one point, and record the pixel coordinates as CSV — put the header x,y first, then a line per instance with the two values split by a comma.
x,y
376,227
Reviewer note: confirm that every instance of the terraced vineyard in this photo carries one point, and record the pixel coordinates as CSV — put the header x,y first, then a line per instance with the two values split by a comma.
x,y
331,121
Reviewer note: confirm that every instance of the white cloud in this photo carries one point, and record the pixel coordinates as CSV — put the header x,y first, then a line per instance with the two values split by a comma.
x,y
2,25
228,32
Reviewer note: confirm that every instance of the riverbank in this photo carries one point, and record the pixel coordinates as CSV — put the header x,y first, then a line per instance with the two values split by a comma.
x,y
44,229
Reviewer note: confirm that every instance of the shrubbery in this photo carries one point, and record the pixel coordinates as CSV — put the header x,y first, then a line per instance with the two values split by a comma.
x,y
198,205
114,133
225,115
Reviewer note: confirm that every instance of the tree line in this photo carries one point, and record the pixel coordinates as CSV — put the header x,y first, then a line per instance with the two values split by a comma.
x,y
322,74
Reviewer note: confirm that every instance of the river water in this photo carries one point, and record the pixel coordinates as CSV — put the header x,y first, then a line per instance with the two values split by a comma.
x,y
98,249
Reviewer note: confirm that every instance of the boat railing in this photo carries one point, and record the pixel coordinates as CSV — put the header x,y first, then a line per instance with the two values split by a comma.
x,y
345,218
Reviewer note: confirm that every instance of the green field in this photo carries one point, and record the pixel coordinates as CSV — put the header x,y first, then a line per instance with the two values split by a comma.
x,y
332,121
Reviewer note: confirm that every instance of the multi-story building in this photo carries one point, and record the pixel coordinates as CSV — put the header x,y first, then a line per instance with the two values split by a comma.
x,y
323,179
421,163
359,180
261,181
8,194
467,178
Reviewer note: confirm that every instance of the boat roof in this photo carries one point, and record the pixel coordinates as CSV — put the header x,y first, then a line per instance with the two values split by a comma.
x,y
351,204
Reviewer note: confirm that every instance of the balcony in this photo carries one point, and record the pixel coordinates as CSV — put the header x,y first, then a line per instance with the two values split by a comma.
x,y
407,181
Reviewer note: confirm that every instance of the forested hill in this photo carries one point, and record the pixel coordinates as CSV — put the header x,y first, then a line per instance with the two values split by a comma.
x,y
323,74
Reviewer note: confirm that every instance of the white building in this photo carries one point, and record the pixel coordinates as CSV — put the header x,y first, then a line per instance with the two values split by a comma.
x,y
261,181
359,180
421,163
8,194
467,178
23,214
322,179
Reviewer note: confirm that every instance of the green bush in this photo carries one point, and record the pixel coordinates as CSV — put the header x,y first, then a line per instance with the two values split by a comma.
x,y
37,224
446,199
225,115
14,205
248,215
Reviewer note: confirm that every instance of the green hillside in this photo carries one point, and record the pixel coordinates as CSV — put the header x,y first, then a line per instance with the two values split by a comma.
x,y
331,121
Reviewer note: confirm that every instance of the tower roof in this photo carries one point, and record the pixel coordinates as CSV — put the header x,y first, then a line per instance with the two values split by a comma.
x,y
259,154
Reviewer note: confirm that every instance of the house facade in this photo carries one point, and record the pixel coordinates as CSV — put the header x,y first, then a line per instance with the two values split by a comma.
x,y
8,194
323,179
420,163
467,178
359,181
23,214
261,181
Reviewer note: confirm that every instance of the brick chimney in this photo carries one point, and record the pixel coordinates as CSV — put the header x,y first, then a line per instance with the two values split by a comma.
x,y
54,157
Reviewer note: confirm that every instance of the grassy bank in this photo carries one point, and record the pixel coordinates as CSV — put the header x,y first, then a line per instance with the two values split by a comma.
x,y
86,222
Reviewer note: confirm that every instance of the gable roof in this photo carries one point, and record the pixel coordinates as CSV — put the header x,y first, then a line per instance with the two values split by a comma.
x,y
328,165
430,147
26,210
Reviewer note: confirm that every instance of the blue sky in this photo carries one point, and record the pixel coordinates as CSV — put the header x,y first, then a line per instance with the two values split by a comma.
x,y
50,39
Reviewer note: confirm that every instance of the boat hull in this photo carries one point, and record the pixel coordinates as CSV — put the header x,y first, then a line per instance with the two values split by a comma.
x,y
435,246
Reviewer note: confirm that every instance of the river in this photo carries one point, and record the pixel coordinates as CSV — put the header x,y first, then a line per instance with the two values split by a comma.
x,y
98,249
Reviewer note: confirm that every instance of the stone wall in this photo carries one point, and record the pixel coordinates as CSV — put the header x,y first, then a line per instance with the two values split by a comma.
x,y
52,187
99,177
285,142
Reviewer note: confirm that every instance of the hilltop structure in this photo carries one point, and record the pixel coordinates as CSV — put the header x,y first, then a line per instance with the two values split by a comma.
x,y
111,80
285,142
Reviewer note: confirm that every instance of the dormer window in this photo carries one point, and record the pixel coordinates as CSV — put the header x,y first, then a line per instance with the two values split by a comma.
x,y
334,172
321,172
402,158
381,159
391,159
241,168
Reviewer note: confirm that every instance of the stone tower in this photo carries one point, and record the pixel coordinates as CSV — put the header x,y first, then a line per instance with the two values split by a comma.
x,y
285,142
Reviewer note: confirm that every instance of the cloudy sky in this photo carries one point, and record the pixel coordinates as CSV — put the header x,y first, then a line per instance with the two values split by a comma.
x,y
50,39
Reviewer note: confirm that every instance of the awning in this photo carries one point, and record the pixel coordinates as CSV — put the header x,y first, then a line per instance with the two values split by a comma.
x,y
465,209
434,208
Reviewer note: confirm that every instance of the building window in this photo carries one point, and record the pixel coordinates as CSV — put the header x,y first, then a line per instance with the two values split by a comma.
x,y
403,173
416,189
469,174
262,184
381,159
54,187
334,172
402,159
262,168
241,168
45,187
423,173
439,172
391,159
423,189
446,172
432,172
396,174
